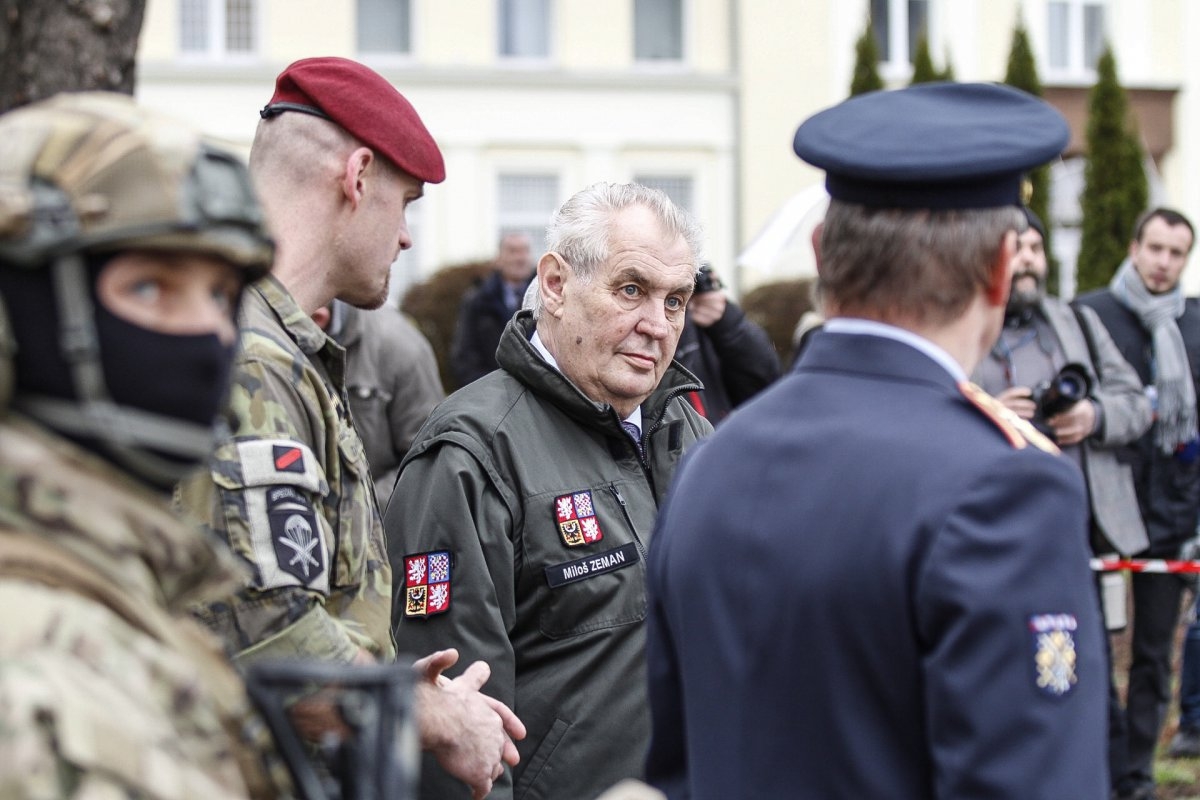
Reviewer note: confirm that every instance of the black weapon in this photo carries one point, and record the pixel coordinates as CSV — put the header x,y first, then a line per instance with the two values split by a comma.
x,y
346,732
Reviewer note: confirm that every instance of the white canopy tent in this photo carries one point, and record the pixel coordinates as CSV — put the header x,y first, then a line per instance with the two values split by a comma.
x,y
782,249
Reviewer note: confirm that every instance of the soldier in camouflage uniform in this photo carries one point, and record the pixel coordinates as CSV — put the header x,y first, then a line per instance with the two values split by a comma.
x,y
338,156
124,246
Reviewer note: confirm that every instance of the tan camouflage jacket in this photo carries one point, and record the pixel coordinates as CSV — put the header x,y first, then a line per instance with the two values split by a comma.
x,y
291,492
107,687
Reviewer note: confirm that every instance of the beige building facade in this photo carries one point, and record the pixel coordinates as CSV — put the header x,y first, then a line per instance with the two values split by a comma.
x,y
531,100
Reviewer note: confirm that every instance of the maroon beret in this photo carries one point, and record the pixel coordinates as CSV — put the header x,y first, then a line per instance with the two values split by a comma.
x,y
362,102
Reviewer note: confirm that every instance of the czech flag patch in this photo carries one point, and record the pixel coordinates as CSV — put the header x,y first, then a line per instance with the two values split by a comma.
x,y
427,583
577,522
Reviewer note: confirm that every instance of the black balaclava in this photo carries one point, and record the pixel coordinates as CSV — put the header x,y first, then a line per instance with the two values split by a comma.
x,y
180,378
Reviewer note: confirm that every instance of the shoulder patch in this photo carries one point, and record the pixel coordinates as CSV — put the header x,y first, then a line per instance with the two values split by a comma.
x,y
1054,656
427,583
270,462
1018,431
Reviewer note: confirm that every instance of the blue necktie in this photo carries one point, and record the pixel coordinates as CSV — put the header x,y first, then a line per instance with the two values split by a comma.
x,y
635,433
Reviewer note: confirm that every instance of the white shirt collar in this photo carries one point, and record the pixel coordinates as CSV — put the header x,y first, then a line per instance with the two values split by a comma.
x,y
536,341
872,327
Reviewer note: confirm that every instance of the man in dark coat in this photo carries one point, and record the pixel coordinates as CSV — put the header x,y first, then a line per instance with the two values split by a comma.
x,y
486,309
1158,332
872,581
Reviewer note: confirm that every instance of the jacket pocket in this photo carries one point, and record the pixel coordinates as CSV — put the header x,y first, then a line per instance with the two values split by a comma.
x,y
527,784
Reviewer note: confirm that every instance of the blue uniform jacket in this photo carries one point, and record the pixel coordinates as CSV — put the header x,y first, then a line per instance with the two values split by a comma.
x,y
886,598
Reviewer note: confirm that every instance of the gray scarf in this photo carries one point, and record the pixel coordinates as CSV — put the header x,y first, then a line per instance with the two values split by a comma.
x,y
1173,376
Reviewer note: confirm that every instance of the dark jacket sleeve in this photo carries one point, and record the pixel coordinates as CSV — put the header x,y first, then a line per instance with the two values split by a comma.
x,y
745,352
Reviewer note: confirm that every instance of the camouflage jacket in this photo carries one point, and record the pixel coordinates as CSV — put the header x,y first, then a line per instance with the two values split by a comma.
x,y
107,687
291,492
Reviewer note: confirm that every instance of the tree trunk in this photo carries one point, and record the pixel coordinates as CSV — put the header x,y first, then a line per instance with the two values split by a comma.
x,y
50,46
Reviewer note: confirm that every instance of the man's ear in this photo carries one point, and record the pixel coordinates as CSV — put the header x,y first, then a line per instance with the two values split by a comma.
x,y
354,175
1001,271
552,274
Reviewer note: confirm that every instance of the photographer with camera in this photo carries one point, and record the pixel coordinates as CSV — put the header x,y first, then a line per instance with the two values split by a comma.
x,y
1060,369
732,356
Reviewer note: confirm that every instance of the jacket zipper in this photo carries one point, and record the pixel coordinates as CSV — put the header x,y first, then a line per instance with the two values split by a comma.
x,y
637,540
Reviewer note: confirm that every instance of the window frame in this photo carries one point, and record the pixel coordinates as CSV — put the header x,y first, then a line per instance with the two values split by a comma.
x,y
527,221
518,58
216,46
897,65
386,55
663,63
1076,68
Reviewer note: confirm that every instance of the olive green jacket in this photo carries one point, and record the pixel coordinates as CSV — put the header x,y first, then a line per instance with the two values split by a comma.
x,y
291,492
536,503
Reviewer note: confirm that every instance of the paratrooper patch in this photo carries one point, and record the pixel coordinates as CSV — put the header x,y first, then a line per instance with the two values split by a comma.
x,y
1054,652
577,522
295,536
427,583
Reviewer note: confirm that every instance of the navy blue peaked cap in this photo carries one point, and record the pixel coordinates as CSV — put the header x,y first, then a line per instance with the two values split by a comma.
x,y
934,145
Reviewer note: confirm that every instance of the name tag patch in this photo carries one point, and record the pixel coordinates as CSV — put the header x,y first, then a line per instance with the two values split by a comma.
x,y
427,583
590,566
576,516
1054,652
294,534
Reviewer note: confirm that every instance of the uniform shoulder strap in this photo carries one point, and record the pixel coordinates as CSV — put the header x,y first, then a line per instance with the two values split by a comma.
x,y
1018,431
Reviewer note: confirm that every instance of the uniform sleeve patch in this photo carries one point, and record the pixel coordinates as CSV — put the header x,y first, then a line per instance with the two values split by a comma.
x,y
576,517
427,583
295,537
270,462
1054,656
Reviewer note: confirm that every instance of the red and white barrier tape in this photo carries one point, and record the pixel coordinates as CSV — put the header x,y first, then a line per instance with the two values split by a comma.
x,y
1143,565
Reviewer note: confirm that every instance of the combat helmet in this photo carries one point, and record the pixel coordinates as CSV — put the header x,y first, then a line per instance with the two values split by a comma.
x,y
87,173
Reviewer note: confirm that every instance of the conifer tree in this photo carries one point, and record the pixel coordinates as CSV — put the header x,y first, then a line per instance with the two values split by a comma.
x,y
923,69
1115,188
947,73
866,63
1022,73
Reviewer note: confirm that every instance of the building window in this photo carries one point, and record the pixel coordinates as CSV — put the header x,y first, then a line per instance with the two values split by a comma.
x,y
384,26
658,30
898,26
1075,35
525,204
524,28
218,27
676,187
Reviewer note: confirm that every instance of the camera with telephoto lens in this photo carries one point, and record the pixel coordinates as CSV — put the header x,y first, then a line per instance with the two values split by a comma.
x,y
706,281
1064,390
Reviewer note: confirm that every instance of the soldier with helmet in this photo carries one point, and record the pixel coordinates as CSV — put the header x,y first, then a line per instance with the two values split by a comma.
x,y
125,245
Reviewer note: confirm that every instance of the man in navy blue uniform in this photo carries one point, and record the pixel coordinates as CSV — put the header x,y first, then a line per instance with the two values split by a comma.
x,y
890,596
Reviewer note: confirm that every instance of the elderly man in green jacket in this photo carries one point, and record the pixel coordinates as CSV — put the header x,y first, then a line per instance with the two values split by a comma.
x,y
519,525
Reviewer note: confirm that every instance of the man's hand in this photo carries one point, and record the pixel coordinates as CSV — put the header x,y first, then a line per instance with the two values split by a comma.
x,y
1075,424
1019,400
470,733
707,308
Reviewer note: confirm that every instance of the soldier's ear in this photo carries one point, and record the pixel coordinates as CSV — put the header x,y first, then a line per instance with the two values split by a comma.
x,y
552,275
